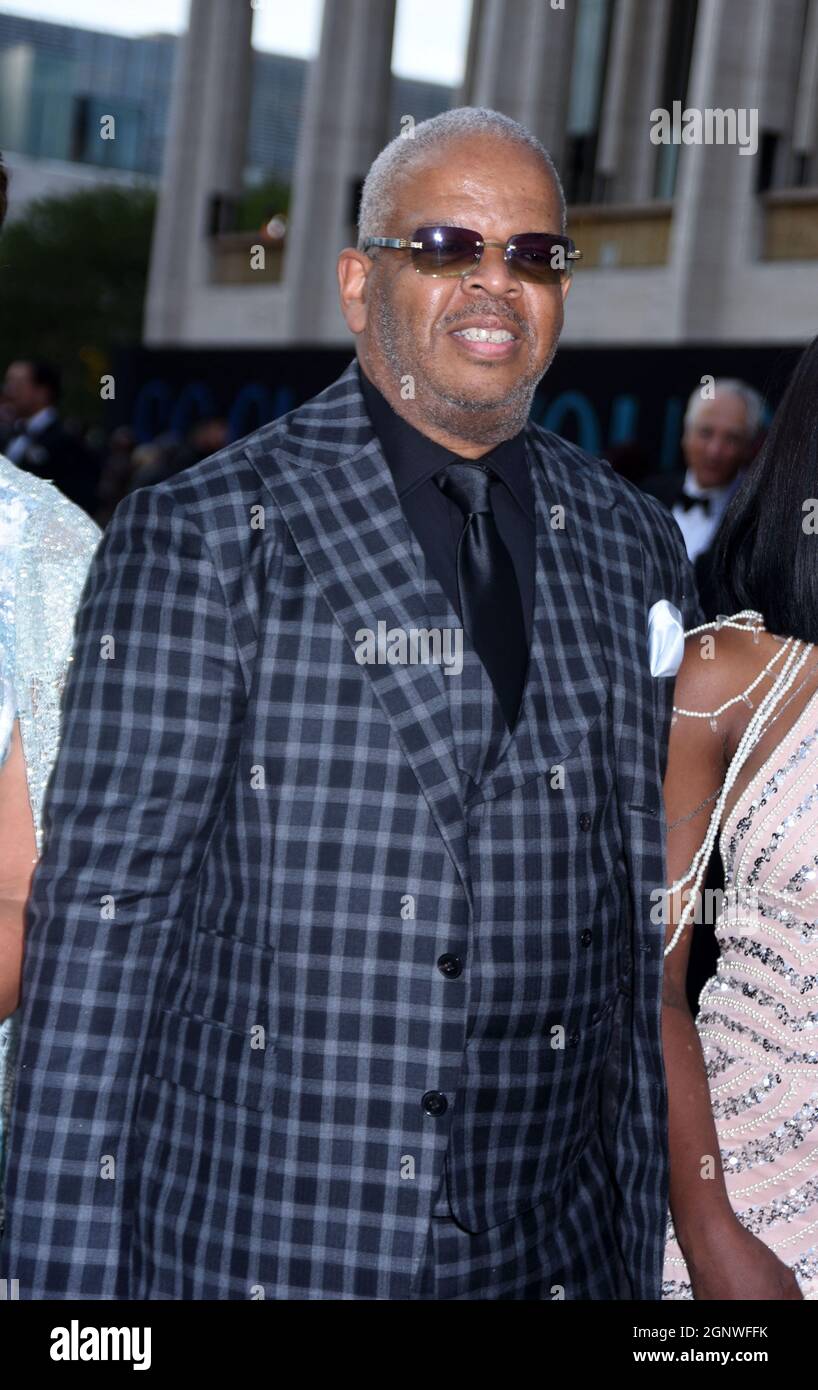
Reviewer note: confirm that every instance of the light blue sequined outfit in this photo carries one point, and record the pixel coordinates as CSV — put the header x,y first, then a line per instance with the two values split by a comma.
x,y
46,545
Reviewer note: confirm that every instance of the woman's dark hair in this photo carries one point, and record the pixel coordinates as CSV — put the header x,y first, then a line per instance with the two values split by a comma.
x,y
766,550
4,183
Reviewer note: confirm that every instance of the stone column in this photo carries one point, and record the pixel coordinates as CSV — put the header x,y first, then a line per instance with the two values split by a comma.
x,y
716,213
805,136
204,156
614,96
344,125
466,90
633,88
520,63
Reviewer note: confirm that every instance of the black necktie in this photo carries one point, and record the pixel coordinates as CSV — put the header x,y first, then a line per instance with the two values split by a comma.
x,y
490,603
686,500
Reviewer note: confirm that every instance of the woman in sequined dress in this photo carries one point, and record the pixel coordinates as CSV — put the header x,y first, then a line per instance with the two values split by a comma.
x,y
742,772
46,544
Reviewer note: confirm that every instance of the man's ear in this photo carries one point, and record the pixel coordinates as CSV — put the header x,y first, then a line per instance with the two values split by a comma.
x,y
567,281
353,272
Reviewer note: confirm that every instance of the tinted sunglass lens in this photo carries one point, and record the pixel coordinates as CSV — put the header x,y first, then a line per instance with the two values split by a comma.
x,y
445,250
540,257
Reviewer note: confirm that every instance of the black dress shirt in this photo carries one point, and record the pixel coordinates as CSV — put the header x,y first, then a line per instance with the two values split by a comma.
x,y
436,521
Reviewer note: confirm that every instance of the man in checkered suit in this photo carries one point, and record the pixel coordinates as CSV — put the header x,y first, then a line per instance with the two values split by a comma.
x,y
337,984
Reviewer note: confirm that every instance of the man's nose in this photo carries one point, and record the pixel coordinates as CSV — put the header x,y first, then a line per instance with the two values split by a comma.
x,y
492,274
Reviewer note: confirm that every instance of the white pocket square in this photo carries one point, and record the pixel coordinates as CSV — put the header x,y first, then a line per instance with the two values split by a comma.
x,y
666,638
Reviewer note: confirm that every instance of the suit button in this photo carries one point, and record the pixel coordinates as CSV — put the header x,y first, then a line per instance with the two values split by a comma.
x,y
435,1103
587,937
573,1039
450,966
585,821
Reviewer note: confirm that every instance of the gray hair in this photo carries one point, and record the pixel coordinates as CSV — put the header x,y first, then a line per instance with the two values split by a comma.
x,y
753,402
406,150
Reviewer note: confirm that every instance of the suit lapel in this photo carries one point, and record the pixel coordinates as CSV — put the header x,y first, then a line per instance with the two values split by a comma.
x,y
335,493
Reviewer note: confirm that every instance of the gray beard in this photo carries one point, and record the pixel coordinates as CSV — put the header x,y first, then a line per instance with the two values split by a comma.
x,y
464,417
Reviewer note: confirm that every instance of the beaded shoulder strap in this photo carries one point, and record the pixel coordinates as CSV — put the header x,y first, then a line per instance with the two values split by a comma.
x,y
793,655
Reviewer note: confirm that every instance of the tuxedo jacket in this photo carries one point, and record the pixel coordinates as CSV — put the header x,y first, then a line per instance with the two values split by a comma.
x,y
66,461
294,939
668,487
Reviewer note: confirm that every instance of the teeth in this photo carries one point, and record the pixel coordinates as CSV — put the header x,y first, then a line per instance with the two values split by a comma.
x,y
485,335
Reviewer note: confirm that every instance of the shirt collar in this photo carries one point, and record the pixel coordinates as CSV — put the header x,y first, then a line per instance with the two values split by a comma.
x,y
413,457
716,494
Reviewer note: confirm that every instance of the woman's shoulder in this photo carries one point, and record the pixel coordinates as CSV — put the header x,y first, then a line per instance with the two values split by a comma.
x,y
723,661
36,518
46,546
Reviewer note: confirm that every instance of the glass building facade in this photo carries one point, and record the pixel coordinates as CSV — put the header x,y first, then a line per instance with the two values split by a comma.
x,y
57,82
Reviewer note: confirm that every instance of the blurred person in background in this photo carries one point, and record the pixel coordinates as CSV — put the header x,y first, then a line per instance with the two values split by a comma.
x,y
39,443
166,455
46,544
721,437
117,472
129,465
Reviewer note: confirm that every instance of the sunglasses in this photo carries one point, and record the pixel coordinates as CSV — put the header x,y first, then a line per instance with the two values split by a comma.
x,y
539,257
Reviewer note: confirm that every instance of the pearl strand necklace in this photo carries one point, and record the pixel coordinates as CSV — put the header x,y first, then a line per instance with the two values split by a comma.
x,y
793,663
734,622
783,681
682,820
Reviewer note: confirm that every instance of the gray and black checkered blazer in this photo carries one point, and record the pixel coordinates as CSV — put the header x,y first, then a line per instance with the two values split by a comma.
x,y
241,1060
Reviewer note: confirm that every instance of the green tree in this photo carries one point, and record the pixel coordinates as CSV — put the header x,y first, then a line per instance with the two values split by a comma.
x,y
72,285
257,204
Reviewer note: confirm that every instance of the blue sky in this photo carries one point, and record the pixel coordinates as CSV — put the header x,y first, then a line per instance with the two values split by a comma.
x,y
430,38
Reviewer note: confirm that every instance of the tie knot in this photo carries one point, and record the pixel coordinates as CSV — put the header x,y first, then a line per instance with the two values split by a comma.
x,y
468,486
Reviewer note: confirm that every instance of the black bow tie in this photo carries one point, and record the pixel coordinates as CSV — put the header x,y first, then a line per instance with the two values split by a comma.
x,y
686,500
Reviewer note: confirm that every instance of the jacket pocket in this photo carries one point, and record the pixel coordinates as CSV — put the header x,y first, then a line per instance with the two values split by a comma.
x,y
229,981
229,1064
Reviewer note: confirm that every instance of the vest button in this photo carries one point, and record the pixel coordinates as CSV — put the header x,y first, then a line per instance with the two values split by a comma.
x,y
435,1103
587,937
573,1039
585,821
450,966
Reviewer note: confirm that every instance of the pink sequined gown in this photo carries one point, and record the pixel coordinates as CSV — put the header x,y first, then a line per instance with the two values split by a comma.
x,y
758,1016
